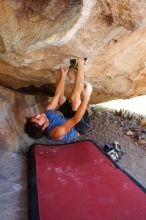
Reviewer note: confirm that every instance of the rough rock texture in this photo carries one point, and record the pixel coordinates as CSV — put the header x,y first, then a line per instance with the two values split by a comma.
x,y
37,36
14,109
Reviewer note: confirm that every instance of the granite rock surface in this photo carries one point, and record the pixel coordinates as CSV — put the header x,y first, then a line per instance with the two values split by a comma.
x,y
36,37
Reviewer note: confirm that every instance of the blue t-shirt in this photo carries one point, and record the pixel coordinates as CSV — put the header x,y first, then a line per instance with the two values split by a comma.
x,y
56,120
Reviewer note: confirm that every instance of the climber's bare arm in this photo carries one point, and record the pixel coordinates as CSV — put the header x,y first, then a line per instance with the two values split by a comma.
x,y
59,90
60,131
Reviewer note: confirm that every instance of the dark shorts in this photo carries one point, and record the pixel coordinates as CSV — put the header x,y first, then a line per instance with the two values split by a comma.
x,y
83,125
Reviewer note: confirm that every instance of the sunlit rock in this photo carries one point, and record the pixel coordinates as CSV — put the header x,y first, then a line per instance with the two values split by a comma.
x,y
36,37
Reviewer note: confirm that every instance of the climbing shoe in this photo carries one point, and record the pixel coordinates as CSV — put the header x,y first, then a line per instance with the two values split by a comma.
x,y
118,149
74,63
113,151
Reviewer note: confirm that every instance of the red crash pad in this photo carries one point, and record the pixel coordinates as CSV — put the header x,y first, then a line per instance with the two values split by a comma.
x,y
78,182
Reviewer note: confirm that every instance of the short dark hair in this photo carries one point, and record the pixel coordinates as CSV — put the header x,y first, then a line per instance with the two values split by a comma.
x,y
33,129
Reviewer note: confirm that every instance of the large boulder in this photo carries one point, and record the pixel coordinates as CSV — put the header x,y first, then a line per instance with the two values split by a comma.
x,y
37,36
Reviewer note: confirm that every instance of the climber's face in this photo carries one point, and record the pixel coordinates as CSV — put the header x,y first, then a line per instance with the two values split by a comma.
x,y
41,120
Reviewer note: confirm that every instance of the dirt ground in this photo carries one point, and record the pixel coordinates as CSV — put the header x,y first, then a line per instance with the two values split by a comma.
x,y
106,127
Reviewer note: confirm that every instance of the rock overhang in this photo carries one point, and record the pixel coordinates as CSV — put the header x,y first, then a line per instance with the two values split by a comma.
x,y
36,36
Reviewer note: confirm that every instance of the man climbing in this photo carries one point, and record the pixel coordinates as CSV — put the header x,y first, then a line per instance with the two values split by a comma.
x,y
75,119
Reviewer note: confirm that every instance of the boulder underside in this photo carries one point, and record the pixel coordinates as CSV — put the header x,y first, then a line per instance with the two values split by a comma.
x,y
38,36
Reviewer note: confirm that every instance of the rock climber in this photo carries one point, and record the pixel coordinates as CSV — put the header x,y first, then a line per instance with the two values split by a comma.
x,y
74,119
